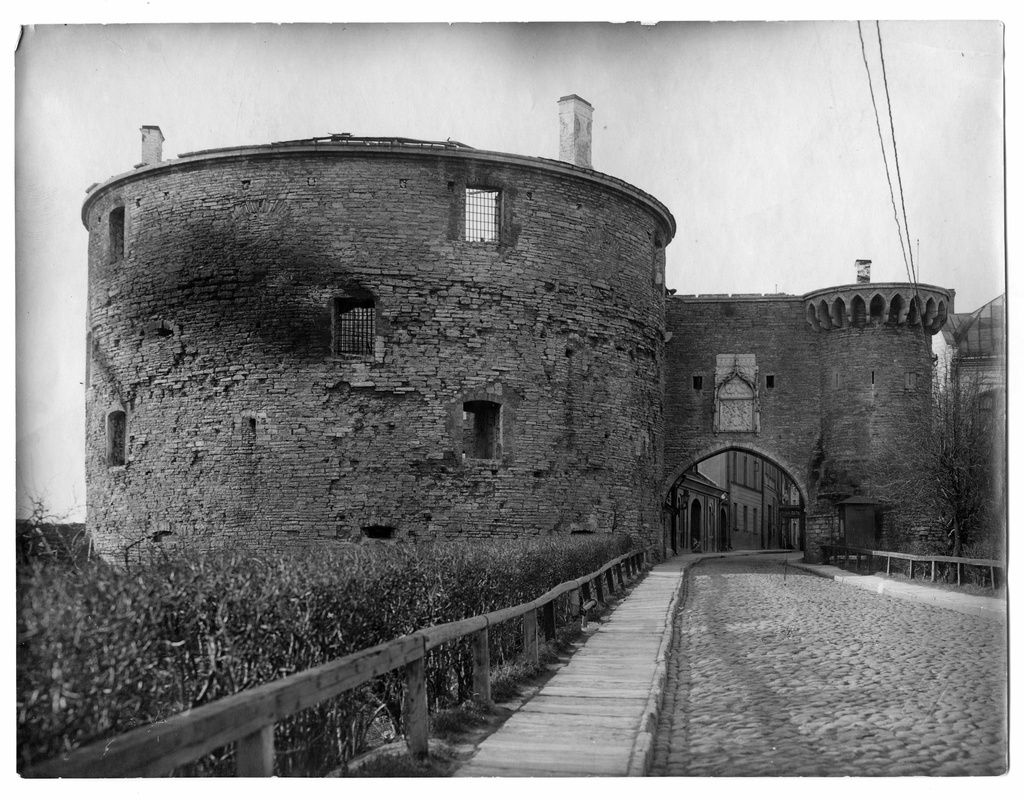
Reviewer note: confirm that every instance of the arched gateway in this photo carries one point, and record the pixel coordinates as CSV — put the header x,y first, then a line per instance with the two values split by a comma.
x,y
816,384
682,486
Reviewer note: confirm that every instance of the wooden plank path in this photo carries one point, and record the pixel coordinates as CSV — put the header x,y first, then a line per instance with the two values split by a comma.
x,y
597,714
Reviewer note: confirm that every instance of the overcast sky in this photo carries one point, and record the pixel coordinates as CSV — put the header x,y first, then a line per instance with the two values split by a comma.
x,y
760,138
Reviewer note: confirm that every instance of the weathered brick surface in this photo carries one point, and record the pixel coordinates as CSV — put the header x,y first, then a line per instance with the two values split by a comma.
x,y
220,314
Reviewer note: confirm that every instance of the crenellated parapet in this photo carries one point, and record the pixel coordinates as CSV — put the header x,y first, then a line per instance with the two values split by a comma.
x,y
874,304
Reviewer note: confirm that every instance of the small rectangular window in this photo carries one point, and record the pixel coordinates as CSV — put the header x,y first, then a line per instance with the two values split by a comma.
x,y
835,379
117,234
910,380
769,381
483,210
735,518
117,438
353,326
746,526
698,383
481,430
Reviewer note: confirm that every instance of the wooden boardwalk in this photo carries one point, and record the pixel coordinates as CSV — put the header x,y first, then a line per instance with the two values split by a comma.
x,y
597,714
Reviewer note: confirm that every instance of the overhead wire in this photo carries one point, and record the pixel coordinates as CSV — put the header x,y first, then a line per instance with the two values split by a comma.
x,y
885,159
896,159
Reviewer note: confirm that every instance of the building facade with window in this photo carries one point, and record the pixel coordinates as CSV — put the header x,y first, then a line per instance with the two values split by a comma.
x,y
344,338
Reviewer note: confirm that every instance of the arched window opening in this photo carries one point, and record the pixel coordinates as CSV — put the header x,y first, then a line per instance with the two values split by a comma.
x,y
696,527
116,240
736,405
877,310
659,262
824,317
812,317
929,311
858,311
914,312
117,440
896,306
839,313
938,319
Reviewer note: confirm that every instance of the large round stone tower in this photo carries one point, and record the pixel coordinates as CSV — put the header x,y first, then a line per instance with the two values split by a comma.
x,y
343,338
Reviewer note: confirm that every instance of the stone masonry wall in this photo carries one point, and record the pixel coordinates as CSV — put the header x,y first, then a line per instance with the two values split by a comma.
x,y
867,398
213,333
773,329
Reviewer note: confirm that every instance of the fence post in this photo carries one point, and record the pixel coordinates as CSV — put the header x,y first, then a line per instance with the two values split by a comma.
x,y
530,636
415,716
482,666
958,565
585,590
609,580
992,575
618,575
254,754
933,572
549,620
574,605
600,589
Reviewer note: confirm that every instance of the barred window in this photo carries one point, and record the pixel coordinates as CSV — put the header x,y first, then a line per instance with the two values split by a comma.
x,y
483,207
116,438
353,326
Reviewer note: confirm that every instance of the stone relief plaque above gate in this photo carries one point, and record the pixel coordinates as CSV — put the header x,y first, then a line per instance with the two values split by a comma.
x,y
736,406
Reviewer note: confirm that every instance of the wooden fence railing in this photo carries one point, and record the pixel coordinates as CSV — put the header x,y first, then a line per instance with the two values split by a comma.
x,y
832,554
248,718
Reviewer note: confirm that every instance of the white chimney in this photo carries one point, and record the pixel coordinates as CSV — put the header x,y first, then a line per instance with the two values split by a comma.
x,y
575,120
152,145
863,270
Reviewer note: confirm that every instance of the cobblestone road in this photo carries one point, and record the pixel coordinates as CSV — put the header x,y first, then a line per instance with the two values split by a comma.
x,y
777,672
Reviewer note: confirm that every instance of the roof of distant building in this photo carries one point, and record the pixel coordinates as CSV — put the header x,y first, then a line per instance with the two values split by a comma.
x,y
981,333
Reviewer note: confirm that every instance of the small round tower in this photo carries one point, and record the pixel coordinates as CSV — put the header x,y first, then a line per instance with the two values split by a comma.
x,y
876,366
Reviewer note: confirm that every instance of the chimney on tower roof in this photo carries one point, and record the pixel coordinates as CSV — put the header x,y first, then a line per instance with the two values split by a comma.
x,y
575,120
863,270
152,145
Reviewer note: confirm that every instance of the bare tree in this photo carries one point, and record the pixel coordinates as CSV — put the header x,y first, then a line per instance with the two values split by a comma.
x,y
947,473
